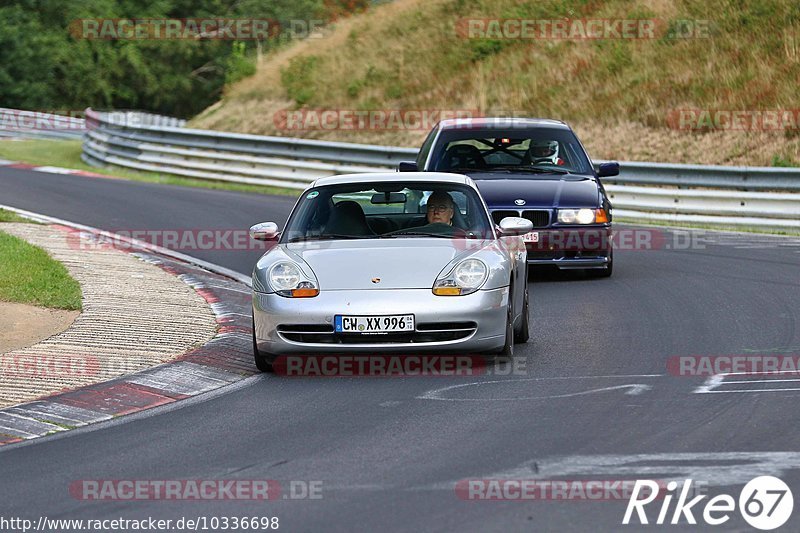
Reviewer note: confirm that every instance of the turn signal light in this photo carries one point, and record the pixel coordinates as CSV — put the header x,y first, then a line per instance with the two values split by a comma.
x,y
447,291
304,293
600,216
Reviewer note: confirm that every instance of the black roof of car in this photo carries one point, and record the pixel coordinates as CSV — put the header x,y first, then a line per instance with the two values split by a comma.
x,y
501,123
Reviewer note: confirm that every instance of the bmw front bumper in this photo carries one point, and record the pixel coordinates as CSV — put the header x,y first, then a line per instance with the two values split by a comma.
x,y
571,248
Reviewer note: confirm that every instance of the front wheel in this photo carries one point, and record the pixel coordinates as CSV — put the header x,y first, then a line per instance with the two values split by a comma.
x,y
508,347
522,333
262,362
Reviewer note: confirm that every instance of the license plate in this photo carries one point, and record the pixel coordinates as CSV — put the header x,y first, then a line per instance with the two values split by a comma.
x,y
532,236
373,324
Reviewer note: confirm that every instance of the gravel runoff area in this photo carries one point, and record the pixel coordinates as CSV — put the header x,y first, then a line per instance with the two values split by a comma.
x,y
135,315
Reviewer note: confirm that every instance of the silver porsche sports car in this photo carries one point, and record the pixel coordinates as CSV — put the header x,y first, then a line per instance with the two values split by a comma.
x,y
390,263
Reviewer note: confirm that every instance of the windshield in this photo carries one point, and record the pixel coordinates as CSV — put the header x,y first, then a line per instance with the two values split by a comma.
x,y
388,210
533,151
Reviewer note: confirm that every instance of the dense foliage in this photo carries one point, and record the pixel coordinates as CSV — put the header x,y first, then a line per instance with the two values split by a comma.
x,y
44,65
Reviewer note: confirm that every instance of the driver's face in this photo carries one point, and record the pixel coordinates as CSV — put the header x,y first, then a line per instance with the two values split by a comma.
x,y
439,212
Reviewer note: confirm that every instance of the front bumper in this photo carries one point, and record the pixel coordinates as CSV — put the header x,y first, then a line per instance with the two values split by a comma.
x,y
572,248
465,324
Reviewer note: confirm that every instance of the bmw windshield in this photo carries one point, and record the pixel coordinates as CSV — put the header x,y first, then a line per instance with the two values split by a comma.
x,y
531,151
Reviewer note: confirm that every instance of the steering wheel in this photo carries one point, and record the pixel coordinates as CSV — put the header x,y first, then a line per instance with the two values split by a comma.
x,y
436,228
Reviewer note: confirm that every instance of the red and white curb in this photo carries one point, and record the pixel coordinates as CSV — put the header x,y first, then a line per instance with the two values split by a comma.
x,y
52,170
225,359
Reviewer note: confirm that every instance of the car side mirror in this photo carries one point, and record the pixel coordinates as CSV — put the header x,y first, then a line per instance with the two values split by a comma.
x,y
407,166
515,226
266,231
608,169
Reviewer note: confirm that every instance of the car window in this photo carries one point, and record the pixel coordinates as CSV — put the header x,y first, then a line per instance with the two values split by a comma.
x,y
388,210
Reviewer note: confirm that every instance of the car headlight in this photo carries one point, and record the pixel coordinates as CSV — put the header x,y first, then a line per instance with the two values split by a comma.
x,y
467,277
581,216
287,279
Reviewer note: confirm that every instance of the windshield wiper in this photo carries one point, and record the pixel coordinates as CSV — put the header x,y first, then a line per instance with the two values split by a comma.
x,y
532,170
461,170
420,234
330,236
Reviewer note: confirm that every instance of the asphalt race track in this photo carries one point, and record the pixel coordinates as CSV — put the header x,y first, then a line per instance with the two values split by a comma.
x,y
596,399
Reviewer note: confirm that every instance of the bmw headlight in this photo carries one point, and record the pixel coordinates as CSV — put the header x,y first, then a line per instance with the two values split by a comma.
x,y
287,279
467,277
581,216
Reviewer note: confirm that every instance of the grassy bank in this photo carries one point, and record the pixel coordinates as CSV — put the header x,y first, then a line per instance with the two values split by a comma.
x,y
9,216
28,275
619,94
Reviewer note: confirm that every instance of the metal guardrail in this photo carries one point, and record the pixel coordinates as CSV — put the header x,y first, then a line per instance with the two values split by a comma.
x,y
714,195
763,210
15,123
711,176
244,158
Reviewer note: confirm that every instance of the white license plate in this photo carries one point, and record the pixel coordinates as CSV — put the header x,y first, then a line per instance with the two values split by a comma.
x,y
373,324
532,236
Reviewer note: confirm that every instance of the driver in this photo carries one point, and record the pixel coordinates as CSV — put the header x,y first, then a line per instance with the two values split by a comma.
x,y
440,208
545,152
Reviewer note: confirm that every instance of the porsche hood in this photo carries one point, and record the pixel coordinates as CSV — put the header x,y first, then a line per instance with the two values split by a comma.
x,y
375,264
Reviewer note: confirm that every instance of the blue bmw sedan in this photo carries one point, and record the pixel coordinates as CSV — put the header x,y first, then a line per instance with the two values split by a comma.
x,y
535,169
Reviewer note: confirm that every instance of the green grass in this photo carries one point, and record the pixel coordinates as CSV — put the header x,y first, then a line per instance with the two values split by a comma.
x,y
67,154
9,216
28,275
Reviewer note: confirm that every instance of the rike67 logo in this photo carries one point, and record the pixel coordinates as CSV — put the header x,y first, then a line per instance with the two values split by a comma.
x,y
765,503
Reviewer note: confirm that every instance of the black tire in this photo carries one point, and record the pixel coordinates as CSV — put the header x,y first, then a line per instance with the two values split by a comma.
x,y
263,363
522,333
508,347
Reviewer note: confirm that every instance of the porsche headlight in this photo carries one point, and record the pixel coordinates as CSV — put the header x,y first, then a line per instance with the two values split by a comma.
x,y
287,279
576,216
467,277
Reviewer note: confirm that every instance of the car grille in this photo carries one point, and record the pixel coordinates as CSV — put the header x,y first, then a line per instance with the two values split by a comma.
x,y
426,332
539,217
497,216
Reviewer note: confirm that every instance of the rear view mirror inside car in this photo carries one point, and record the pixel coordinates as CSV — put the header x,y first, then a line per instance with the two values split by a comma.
x,y
388,198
